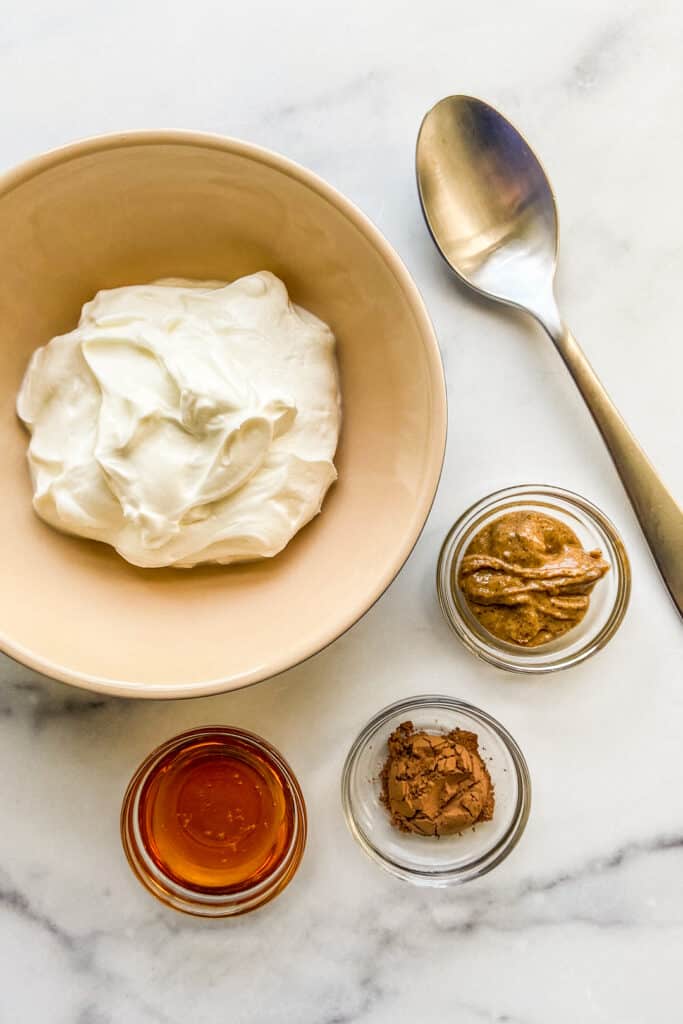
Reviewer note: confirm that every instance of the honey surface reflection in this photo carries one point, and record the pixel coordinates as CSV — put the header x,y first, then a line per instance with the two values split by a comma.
x,y
215,817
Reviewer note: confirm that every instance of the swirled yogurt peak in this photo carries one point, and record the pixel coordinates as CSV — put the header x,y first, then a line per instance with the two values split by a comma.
x,y
185,421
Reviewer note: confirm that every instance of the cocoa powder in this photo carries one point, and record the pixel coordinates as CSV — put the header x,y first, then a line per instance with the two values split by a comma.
x,y
435,784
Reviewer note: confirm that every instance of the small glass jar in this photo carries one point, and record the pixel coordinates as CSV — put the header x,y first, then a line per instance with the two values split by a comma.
x,y
608,600
436,860
213,822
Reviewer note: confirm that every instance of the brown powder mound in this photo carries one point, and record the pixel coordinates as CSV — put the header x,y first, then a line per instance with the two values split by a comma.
x,y
434,784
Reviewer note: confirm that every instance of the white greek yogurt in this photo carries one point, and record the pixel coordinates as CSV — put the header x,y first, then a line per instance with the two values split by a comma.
x,y
185,421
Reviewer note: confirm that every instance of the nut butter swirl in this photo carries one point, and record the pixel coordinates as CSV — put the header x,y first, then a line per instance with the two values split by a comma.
x,y
527,578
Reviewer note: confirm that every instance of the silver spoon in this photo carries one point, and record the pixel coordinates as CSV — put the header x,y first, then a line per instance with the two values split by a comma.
x,y
491,211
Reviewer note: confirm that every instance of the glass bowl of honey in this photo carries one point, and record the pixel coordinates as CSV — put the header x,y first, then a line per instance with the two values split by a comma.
x,y
213,822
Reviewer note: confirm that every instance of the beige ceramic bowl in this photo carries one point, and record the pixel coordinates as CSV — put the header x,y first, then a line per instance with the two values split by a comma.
x,y
130,208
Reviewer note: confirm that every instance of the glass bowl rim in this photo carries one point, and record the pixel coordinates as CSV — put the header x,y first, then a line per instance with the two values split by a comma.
x,y
190,901
494,651
483,863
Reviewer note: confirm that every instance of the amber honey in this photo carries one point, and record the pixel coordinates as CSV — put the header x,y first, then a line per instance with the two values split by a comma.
x,y
213,816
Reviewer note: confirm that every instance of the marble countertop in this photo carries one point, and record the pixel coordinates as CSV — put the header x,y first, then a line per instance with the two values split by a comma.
x,y
584,922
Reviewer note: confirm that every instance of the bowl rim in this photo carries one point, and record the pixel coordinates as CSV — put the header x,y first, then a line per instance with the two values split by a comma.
x,y
302,651
497,652
219,903
495,853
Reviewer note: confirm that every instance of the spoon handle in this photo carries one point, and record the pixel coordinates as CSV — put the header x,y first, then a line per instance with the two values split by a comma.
x,y
659,515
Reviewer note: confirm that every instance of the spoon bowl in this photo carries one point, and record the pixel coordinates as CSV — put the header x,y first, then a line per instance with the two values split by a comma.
x,y
497,228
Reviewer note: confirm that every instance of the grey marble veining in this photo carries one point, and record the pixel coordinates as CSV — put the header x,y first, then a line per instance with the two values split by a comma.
x,y
584,922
